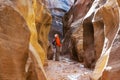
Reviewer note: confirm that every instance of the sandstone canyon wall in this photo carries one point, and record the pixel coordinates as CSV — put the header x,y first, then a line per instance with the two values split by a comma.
x,y
90,27
114,60
23,23
113,65
73,42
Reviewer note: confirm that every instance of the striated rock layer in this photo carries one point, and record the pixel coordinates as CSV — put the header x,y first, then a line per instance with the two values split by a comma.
x,y
24,27
90,28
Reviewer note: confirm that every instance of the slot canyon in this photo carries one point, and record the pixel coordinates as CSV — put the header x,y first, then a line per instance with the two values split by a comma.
x,y
59,39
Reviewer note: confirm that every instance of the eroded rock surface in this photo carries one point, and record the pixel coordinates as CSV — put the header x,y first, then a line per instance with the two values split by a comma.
x,y
43,21
89,35
23,23
73,42
14,41
114,62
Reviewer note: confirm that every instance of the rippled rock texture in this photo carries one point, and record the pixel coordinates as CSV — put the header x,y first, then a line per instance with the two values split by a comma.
x,y
58,8
114,62
73,42
90,28
24,27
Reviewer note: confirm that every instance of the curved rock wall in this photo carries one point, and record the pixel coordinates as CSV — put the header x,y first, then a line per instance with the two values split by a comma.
x,y
110,29
13,44
113,63
113,71
43,21
73,42
23,23
90,32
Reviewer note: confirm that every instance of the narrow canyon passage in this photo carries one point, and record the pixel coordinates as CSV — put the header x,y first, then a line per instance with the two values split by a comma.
x,y
89,32
86,36
66,68
88,29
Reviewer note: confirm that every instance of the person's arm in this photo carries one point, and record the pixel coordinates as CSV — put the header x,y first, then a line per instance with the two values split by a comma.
x,y
53,42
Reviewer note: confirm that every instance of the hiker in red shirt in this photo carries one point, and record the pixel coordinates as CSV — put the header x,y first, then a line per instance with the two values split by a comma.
x,y
56,42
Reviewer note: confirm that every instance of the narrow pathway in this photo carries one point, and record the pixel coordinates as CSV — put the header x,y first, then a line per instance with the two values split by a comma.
x,y
66,70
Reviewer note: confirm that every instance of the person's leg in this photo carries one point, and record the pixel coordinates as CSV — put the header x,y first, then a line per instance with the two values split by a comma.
x,y
57,55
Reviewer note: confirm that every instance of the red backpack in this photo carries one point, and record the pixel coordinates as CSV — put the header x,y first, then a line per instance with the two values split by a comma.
x,y
57,40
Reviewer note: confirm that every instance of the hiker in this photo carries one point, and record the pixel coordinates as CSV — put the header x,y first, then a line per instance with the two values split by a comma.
x,y
56,42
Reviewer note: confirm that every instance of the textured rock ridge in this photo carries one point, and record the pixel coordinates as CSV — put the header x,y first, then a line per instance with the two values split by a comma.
x,y
90,32
111,26
114,60
23,24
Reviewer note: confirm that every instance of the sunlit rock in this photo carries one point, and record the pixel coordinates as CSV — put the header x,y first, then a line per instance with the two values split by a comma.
x,y
43,22
25,19
110,29
114,62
